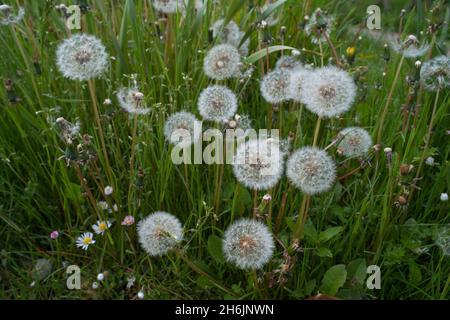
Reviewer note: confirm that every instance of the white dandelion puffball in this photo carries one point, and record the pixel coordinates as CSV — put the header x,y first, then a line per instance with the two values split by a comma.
x,y
410,47
329,92
227,34
132,101
435,73
319,24
217,103
311,170
222,62
166,6
248,244
288,63
354,141
180,128
274,86
298,78
159,233
7,17
82,57
258,164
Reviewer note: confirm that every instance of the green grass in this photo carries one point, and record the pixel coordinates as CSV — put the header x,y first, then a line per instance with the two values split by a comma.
x,y
39,193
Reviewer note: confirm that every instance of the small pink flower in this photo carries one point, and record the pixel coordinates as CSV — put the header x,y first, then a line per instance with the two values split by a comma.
x,y
54,235
128,221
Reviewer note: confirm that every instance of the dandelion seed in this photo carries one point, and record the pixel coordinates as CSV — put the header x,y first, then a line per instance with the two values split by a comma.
x,y
222,62
180,128
54,235
132,101
107,102
435,73
311,170
85,240
128,221
298,77
444,197
318,25
328,92
354,141
159,233
409,48
81,57
7,17
166,6
248,244
101,227
258,164
217,103
274,86
108,190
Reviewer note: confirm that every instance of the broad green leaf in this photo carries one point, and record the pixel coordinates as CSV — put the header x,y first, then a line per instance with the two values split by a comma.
x,y
330,233
215,248
356,270
264,52
333,279
311,232
324,252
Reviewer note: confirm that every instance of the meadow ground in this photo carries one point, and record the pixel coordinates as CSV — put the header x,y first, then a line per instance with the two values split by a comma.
x,y
81,154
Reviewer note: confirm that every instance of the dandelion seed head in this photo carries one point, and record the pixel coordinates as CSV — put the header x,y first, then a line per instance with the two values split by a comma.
x,y
82,57
222,62
435,73
7,17
180,129
354,141
410,47
288,63
274,86
328,92
159,233
298,77
248,244
444,197
131,100
42,268
319,24
258,164
166,6
217,103
311,170
226,34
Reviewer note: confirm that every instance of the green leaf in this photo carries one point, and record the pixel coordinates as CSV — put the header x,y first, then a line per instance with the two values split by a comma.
x,y
324,253
356,270
310,231
333,279
215,248
329,234
264,52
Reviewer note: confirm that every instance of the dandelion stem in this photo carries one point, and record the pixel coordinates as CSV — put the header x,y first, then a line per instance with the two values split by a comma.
x,y
389,99
255,203
316,131
333,49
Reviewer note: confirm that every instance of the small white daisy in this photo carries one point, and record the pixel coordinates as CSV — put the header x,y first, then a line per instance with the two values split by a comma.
x,y
108,190
85,240
101,227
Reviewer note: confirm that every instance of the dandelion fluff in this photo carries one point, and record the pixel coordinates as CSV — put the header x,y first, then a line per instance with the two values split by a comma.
x,y
6,16
217,103
328,92
159,233
226,34
167,6
354,141
274,86
248,244
288,63
258,164
180,129
131,100
298,78
311,170
435,73
222,62
319,25
410,47
81,57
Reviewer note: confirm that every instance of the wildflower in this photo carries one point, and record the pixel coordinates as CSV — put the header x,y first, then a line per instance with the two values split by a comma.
x,y
100,277
85,240
81,57
298,77
130,282
128,221
258,164
354,141
182,128
140,295
6,16
409,48
54,235
267,198
328,92
95,285
159,233
311,170
131,100
101,227
274,86
248,244
166,6
319,24
217,103
288,63
108,190
429,161
103,205
444,197
222,62
435,73
107,102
